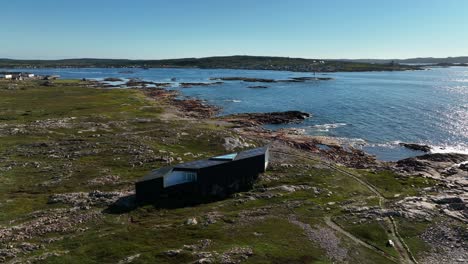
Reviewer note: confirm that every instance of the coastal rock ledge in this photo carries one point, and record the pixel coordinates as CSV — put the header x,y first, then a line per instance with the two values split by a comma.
x,y
415,146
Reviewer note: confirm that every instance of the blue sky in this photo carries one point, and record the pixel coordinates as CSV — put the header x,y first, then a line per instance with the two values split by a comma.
x,y
155,29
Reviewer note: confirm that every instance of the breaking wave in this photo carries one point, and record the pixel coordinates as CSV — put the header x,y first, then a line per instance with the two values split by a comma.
x,y
326,127
450,149
460,149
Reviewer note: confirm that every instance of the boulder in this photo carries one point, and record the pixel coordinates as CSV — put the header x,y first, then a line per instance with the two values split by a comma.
x,y
191,221
447,200
463,167
390,243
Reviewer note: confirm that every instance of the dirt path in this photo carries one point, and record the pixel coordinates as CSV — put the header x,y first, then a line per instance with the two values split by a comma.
x,y
404,252
337,228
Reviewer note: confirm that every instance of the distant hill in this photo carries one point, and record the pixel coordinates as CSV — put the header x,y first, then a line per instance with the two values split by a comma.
x,y
227,62
428,60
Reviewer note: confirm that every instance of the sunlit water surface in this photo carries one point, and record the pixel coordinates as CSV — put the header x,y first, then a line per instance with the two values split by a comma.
x,y
372,110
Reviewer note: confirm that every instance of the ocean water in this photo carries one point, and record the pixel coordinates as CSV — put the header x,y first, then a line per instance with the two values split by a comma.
x,y
371,110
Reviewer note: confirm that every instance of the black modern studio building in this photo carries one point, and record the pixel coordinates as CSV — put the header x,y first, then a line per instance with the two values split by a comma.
x,y
214,177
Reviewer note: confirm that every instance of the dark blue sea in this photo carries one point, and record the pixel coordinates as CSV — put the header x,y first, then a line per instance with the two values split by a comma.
x,y
371,110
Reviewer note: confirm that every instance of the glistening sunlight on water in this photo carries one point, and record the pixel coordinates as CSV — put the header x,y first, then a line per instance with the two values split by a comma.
x,y
373,110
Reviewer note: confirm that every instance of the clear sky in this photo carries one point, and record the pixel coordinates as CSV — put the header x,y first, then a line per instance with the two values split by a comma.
x,y
155,29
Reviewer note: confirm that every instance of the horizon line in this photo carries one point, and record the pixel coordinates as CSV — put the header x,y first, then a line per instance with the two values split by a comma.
x,y
214,56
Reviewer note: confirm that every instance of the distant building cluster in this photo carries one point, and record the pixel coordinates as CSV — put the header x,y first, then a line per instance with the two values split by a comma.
x,y
16,75
20,76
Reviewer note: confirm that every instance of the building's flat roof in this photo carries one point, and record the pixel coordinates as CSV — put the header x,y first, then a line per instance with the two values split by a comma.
x,y
157,173
199,164
251,153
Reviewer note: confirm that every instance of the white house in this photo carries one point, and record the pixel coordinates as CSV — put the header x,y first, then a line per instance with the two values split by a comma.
x,y
6,76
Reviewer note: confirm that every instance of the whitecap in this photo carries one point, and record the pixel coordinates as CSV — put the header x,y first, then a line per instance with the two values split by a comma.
x,y
353,142
434,148
391,144
326,127
449,149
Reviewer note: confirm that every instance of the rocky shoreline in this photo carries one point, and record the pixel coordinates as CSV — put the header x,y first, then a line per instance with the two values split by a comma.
x,y
450,169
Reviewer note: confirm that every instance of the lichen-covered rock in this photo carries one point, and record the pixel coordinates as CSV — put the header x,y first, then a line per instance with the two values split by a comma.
x,y
232,143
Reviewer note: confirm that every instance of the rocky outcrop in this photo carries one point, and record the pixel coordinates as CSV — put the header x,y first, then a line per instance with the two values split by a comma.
x,y
422,207
188,85
86,200
232,143
112,79
444,157
198,250
449,167
244,79
196,108
137,83
303,79
140,83
255,119
449,243
44,222
258,87
414,146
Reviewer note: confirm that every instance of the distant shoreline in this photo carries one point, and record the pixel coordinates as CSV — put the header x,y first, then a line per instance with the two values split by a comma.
x,y
230,62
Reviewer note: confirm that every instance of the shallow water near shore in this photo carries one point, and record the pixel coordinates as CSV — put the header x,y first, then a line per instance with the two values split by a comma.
x,y
371,110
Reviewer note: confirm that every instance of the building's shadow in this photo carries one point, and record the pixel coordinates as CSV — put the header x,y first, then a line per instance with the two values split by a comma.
x,y
123,205
129,203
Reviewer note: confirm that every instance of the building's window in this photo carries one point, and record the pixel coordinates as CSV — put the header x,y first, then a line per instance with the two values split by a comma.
x,y
231,156
179,177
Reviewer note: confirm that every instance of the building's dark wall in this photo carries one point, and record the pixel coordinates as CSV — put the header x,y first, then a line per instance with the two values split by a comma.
x,y
227,178
147,191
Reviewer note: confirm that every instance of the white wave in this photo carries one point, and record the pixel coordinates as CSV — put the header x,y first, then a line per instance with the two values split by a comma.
x,y
449,149
434,148
353,142
391,144
232,100
326,127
